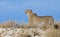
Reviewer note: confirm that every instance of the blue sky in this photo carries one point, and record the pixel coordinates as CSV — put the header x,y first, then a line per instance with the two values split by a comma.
x,y
15,9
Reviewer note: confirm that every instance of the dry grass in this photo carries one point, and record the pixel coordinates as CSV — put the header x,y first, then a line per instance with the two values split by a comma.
x,y
27,31
32,32
8,24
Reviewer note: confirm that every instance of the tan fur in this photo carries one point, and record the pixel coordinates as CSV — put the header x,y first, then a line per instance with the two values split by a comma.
x,y
35,20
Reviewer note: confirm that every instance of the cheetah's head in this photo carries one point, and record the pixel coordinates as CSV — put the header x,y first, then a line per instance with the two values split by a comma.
x,y
28,12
